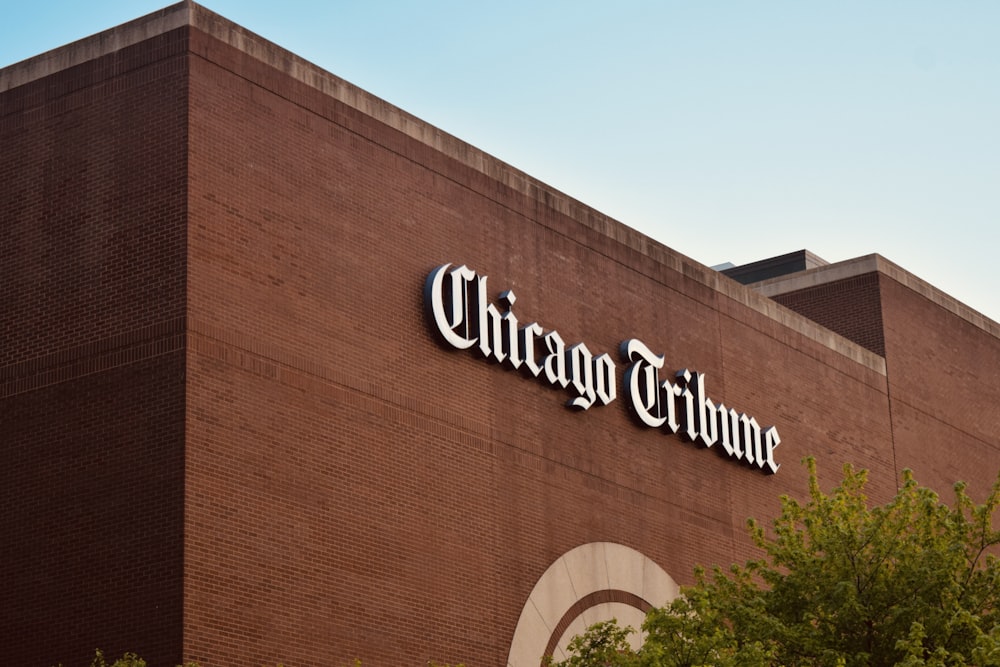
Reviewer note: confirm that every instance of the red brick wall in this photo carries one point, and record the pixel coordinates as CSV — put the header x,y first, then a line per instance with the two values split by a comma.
x,y
92,250
944,375
852,307
944,381
220,359
357,490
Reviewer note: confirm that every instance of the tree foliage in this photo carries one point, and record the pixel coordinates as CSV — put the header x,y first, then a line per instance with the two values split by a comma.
x,y
133,660
127,660
914,582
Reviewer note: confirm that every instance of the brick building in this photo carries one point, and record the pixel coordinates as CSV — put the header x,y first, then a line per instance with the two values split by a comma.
x,y
246,418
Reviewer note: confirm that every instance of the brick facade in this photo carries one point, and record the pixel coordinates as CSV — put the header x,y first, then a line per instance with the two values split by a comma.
x,y
92,380
852,307
232,436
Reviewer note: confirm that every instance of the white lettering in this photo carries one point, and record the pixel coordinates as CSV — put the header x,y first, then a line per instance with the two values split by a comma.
x,y
458,306
447,304
527,336
641,382
658,405
555,362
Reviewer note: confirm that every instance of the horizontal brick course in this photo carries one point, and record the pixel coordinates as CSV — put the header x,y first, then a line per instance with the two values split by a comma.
x,y
92,337
215,346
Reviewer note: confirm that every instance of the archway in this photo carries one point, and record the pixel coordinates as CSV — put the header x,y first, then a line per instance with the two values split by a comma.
x,y
590,583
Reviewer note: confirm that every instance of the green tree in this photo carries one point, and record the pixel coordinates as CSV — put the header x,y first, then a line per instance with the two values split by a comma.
x,y
605,643
133,660
914,582
127,660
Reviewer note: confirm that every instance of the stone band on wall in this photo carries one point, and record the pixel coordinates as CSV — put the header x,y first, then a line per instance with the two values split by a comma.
x,y
590,583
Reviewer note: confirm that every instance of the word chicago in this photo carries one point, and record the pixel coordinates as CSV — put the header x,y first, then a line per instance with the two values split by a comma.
x,y
458,307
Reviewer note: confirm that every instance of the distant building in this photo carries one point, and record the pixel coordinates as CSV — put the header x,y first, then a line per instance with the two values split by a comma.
x,y
245,417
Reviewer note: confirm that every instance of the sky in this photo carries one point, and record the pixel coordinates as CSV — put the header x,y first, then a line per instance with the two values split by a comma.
x,y
730,131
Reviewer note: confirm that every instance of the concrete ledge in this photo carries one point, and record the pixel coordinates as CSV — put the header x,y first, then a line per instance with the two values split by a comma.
x,y
95,46
200,18
871,264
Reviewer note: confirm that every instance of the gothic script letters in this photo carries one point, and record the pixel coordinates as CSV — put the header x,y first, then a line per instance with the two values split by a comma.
x,y
458,307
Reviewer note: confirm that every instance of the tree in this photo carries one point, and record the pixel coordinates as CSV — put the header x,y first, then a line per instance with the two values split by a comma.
x,y
133,660
914,582
127,660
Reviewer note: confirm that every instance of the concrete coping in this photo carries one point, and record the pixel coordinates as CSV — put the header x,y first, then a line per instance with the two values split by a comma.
x,y
870,264
189,13
95,46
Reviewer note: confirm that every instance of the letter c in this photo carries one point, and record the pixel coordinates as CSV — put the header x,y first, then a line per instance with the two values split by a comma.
x,y
448,316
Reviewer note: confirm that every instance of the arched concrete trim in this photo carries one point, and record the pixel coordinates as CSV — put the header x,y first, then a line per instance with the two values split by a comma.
x,y
587,570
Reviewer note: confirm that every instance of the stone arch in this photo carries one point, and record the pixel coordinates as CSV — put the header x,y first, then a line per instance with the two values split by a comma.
x,y
589,583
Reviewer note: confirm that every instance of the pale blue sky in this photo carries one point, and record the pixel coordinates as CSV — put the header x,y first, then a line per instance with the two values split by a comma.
x,y
728,130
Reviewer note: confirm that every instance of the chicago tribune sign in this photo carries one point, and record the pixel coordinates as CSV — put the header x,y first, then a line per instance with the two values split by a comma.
x,y
457,306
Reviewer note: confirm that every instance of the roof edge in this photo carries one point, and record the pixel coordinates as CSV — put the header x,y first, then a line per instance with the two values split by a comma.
x,y
869,264
97,45
189,13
